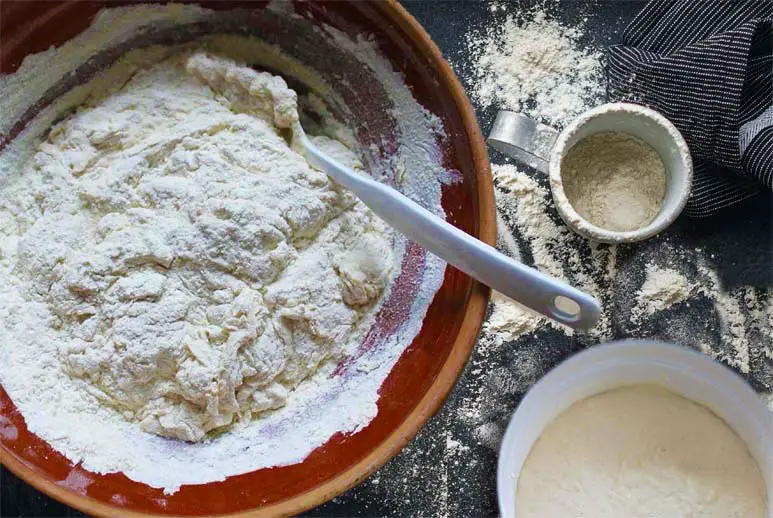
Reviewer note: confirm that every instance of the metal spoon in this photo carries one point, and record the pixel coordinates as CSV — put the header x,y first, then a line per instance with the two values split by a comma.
x,y
533,289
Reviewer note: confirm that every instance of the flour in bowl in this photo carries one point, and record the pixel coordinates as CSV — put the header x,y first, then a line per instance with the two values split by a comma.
x,y
171,267
615,181
638,452
187,258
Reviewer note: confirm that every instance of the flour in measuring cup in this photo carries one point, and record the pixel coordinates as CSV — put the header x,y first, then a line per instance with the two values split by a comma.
x,y
615,181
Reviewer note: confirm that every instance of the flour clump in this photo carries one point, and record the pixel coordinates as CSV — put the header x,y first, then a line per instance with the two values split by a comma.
x,y
192,267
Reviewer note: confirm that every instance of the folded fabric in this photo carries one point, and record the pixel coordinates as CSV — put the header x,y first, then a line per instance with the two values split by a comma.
x,y
708,67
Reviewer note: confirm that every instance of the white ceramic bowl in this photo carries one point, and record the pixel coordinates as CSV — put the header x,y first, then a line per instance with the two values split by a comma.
x,y
682,371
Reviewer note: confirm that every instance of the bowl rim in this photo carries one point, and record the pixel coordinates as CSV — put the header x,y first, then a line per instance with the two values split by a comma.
x,y
446,378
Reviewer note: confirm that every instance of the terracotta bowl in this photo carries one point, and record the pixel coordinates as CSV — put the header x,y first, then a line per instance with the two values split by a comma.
x,y
427,370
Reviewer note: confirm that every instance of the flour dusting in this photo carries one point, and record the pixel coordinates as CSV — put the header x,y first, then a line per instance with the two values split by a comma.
x,y
509,320
669,287
554,249
662,288
534,64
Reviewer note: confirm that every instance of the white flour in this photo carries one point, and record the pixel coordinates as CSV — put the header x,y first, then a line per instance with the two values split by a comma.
x,y
325,314
555,249
509,320
615,181
534,64
638,452
662,288
195,267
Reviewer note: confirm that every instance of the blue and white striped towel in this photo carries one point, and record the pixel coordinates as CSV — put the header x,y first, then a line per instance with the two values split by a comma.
x,y
707,65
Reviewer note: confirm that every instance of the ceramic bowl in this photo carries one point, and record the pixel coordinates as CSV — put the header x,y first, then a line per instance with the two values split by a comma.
x,y
426,371
685,372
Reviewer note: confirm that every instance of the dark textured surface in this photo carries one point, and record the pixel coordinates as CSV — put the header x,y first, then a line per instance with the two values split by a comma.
x,y
450,468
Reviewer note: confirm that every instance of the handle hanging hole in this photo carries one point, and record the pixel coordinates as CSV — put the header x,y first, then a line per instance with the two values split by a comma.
x,y
566,309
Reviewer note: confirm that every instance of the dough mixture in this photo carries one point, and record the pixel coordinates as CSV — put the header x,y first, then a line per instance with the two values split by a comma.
x,y
615,181
189,263
640,452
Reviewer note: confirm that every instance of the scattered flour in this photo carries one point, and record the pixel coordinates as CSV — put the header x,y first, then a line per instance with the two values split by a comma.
x,y
454,445
554,248
241,319
732,318
534,64
528,61
509,320
662,288
741,335
615,181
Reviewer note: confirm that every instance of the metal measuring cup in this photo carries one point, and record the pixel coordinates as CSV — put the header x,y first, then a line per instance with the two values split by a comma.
x,y
544,149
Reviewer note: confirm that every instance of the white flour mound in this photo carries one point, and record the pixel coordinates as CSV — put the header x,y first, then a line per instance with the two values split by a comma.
x,y
638,452
194,267
662,288
509,320
170,264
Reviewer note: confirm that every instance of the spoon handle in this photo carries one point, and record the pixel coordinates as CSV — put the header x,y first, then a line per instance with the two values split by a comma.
x,y
533,289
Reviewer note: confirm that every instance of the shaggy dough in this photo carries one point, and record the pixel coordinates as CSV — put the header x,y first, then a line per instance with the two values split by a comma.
x,y
364,270
196,268
639,452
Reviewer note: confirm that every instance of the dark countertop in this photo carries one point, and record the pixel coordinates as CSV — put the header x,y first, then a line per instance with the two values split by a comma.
x,y
450,467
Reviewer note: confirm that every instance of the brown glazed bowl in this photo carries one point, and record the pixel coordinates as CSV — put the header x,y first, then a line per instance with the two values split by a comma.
x,y
425,373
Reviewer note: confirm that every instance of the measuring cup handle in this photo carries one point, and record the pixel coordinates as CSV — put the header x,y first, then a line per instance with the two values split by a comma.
x,y
523,139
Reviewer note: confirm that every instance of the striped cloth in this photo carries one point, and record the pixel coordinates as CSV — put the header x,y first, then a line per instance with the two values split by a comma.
x,y
707,65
